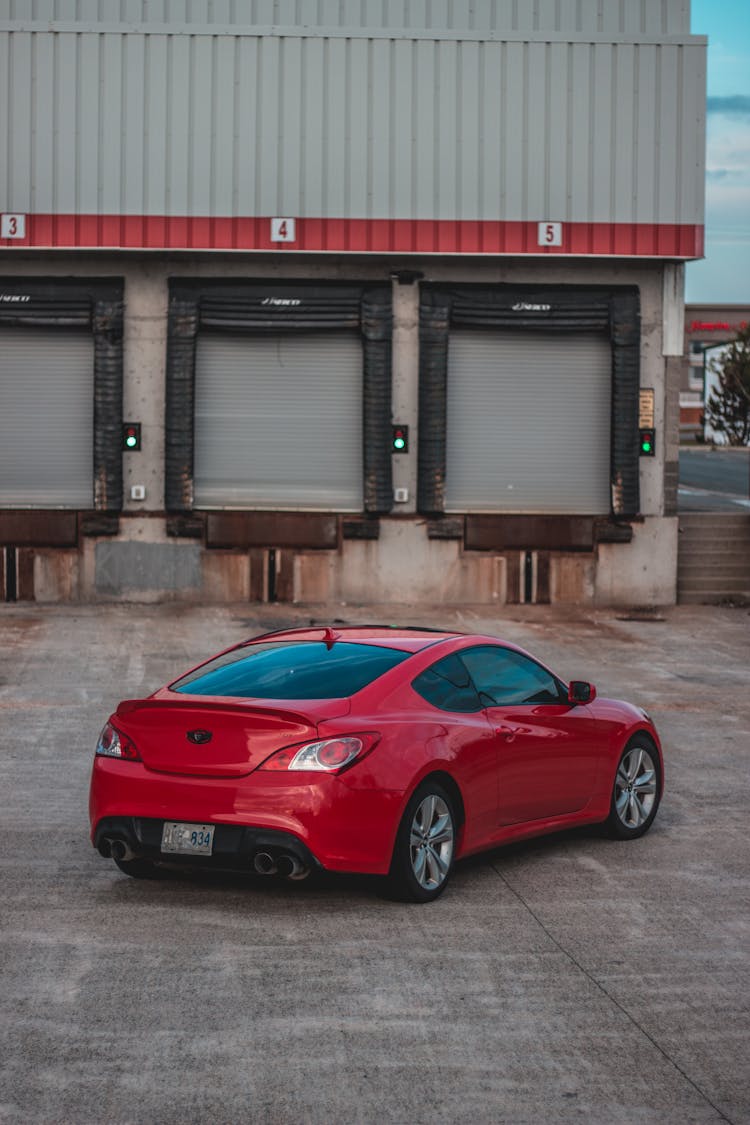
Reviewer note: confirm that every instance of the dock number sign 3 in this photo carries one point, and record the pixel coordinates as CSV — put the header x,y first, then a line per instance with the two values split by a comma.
x,y
282,230
12,226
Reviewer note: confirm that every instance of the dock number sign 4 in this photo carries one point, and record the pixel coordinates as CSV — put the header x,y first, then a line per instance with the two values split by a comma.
x,y
283,230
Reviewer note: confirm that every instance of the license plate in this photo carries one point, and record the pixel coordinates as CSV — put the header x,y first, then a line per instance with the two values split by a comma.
x,y
187,839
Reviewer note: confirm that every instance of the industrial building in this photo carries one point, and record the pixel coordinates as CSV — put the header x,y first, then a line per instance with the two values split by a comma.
x,y
381,301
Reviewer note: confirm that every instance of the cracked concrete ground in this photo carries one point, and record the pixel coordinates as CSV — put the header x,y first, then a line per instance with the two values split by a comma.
x,y
569,979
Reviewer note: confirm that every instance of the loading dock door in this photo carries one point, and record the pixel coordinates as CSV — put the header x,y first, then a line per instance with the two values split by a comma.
x,y
46,418
528,427
278,421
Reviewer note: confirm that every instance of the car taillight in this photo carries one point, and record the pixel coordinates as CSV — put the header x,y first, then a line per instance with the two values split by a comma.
x,y
113,744
328,755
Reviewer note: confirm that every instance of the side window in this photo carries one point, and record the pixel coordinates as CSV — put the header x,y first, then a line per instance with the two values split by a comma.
x,y
447,685
506,677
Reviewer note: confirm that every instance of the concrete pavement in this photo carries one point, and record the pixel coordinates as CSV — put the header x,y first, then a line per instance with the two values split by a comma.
x,y
569,979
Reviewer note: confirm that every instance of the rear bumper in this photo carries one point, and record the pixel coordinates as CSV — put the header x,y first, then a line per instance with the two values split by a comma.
x,y
337,825
234,846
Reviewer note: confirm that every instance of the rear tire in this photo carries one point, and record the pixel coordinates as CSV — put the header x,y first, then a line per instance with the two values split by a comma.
x,y
635,791
425,844
138,868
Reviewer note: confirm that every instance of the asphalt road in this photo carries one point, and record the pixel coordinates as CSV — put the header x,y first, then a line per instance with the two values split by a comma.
x,y
572,979
714,479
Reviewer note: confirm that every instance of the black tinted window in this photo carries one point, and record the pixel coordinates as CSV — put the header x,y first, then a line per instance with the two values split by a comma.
x,y
447,685
505,677
291,670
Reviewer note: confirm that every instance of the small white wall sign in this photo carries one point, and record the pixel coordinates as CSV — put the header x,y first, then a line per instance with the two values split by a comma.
x,y
283,230
12,226
549,234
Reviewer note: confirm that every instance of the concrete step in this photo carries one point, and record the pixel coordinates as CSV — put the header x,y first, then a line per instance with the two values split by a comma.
x,y
735,528
739,576
687,597
732,532
711,555
731,528
713,517
716,554
716,587
686,568
706,539
707,549
713,558
720,531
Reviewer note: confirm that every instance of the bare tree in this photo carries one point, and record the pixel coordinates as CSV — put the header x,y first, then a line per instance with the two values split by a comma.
x,y
728,408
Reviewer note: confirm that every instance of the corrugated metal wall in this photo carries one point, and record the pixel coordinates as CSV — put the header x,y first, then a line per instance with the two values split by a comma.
x,y
629,17
373,128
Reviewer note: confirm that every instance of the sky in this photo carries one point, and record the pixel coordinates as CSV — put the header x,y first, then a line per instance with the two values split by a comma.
x,y
723,277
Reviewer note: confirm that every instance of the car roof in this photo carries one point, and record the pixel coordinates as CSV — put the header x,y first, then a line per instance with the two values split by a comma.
x,y
408,638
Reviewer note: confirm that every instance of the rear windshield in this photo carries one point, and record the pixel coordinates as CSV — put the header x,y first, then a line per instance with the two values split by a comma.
x,y
291,670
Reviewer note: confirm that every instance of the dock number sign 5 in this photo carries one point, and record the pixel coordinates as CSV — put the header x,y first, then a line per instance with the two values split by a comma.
x,y
549,234
282,230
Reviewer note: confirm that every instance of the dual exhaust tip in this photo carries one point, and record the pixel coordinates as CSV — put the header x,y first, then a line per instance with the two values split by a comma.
x,y
112,848
286,865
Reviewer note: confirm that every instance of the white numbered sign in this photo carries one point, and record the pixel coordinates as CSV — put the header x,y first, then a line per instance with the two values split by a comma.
x,y
549,234
282,230
12,226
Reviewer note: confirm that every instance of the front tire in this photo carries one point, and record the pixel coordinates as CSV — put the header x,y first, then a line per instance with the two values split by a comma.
x,y
425,844
635,791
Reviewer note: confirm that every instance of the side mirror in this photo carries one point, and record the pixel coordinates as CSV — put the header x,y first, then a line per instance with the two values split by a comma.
x,y
581,691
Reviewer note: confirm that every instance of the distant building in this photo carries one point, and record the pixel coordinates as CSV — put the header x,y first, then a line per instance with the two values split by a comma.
x,y
386,293
706,326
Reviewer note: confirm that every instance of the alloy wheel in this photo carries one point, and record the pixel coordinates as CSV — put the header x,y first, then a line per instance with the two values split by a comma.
x,y
431,842
635,787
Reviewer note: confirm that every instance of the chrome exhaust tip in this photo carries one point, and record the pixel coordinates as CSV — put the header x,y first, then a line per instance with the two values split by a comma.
x,y
264,863
291,868
118,849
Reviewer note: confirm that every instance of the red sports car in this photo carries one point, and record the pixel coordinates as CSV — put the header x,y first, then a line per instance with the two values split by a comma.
x,y
372,749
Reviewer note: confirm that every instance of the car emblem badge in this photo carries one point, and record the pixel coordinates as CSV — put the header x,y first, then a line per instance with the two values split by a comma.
x,y
199,737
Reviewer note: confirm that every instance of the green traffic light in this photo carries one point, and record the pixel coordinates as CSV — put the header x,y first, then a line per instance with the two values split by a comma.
x,y
647,442
131,435
399,438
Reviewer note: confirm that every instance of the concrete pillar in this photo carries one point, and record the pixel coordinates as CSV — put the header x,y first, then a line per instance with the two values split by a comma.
x,y
405,401
653,373
146,300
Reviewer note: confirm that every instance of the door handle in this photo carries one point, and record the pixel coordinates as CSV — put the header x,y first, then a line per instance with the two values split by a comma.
x,y
508,733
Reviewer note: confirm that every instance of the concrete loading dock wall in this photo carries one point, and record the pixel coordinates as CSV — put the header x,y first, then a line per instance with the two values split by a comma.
x,y
147,554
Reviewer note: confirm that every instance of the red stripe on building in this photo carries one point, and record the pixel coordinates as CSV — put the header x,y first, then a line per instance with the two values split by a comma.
x,y
382,236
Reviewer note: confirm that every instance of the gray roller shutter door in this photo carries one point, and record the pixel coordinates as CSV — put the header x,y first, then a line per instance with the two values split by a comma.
x,y
278,421
528,422
46,418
